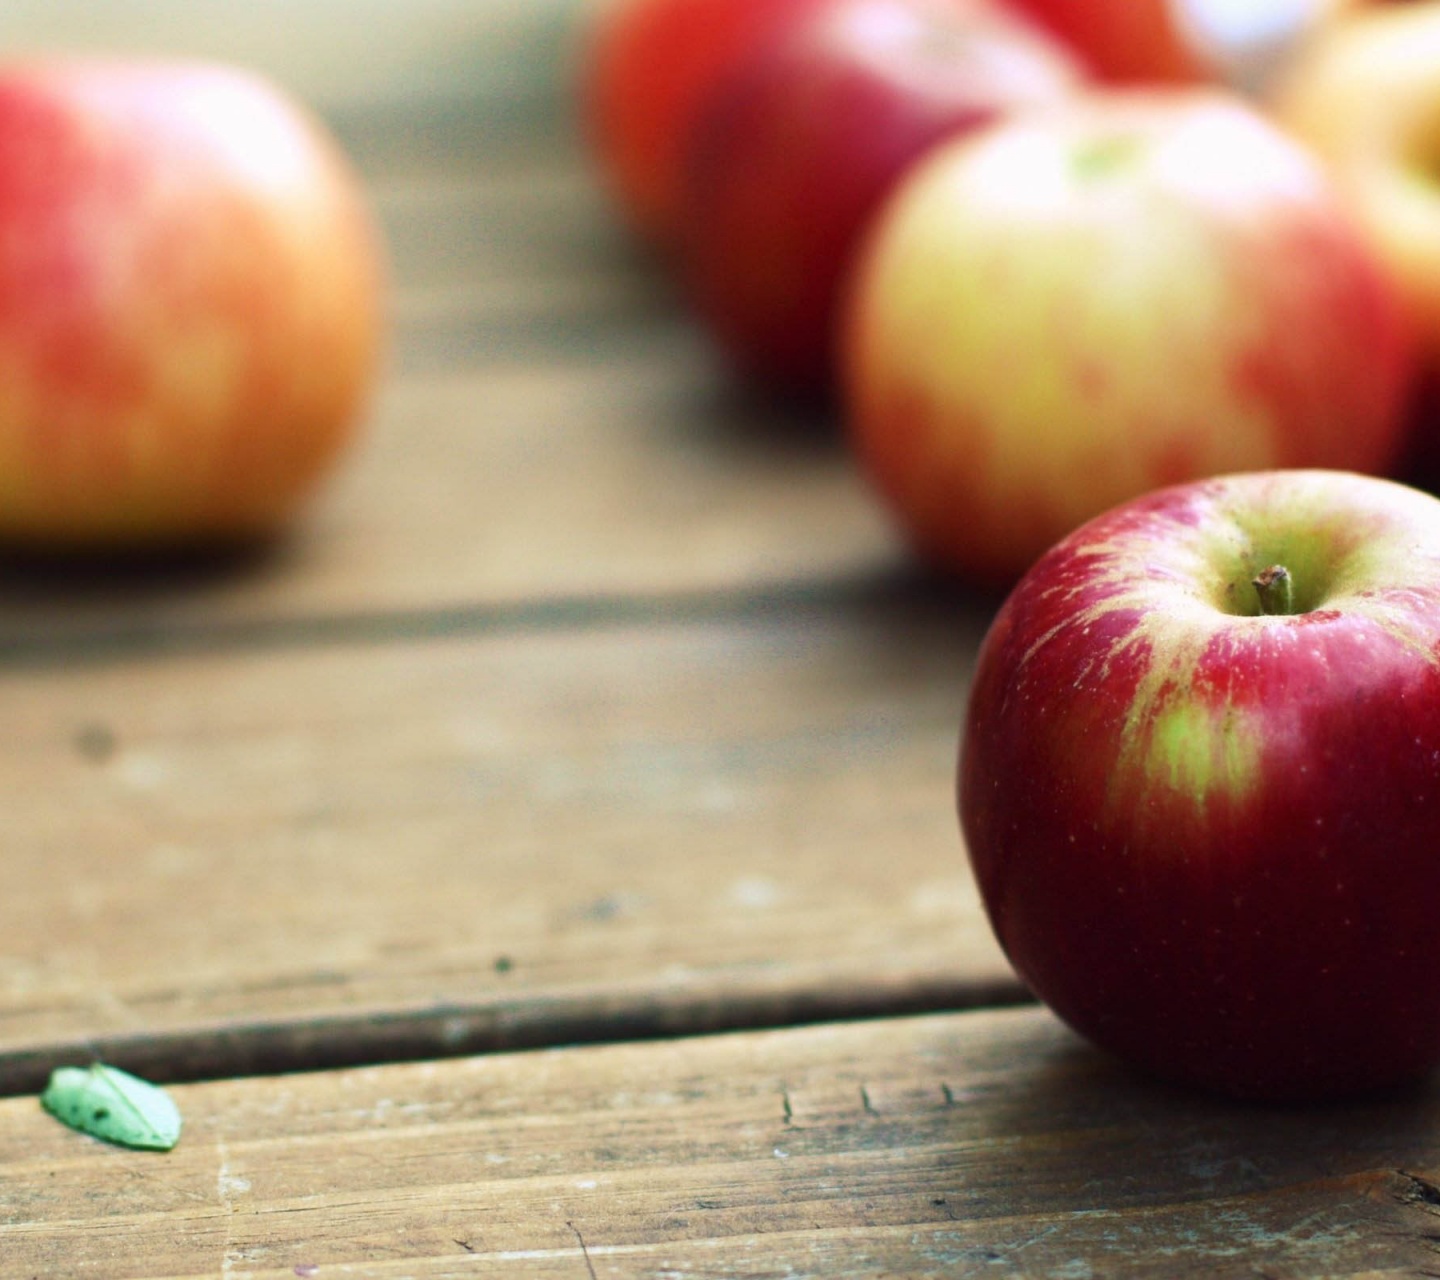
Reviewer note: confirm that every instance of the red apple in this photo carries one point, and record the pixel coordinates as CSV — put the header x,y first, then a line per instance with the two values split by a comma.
x,y
1366,96
1204,819
790,159
646,66
1078,306
1123,41
189,304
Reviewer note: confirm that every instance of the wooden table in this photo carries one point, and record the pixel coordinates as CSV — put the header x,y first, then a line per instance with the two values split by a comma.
x,y
545,860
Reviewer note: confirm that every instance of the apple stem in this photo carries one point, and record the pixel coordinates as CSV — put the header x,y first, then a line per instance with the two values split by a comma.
x,y
1276,591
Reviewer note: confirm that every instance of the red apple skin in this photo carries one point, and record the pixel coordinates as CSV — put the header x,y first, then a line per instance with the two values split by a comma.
x,y
791,159
644,69
1208,839
1123,41
190,310
1075,307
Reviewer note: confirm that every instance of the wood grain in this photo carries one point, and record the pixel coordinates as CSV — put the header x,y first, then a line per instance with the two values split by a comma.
x,y
594,700
551,426
250,858
963,1145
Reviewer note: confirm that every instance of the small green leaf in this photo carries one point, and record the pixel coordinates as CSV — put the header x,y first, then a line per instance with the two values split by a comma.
x,y
108,1103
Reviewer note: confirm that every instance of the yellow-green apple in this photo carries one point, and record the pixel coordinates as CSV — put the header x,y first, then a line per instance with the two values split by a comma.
x,y
189,304
792,156
1199,782
1077,306
1367,97
645,67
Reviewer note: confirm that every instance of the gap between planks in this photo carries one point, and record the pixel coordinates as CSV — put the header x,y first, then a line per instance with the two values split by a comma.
x,y
385,1037
902,592
840,740
971,1144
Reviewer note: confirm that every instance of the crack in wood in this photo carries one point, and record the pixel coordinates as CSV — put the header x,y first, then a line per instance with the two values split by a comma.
x,y
1418,1191
450,1030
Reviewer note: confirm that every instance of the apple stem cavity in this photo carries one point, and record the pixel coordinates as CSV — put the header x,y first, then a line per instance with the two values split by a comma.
x,y
1276,590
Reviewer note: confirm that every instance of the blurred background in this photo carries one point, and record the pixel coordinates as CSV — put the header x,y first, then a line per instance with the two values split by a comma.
x,y
500,54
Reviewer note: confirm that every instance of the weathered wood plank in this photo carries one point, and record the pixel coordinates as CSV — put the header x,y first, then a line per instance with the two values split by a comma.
x,y
250,858
950,1146
552,426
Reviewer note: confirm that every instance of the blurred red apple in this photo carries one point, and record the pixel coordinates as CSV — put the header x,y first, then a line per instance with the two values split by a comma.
x,y
1123,41
1078,306
646,66
791,157
189,304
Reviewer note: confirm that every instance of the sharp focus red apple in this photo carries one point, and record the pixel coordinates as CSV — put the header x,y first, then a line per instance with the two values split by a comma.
x,y
1205,817
189,304
1080,305
792,156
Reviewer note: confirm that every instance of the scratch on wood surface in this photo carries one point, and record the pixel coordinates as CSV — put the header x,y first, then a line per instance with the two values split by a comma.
x,y
227,1187
584,1250
145,1175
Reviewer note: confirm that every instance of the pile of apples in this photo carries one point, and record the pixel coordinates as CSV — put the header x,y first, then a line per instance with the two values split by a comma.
x,y
1099,321
1044,255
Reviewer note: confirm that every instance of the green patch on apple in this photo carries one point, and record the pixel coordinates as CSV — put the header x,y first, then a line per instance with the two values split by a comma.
x,y
1106,155
1199,753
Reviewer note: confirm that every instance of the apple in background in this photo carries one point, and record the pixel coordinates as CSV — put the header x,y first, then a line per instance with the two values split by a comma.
x,y
790,159
1367,97
1080,305
189,305
645,66
1202,817
1240,42
1250,44
1123,41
